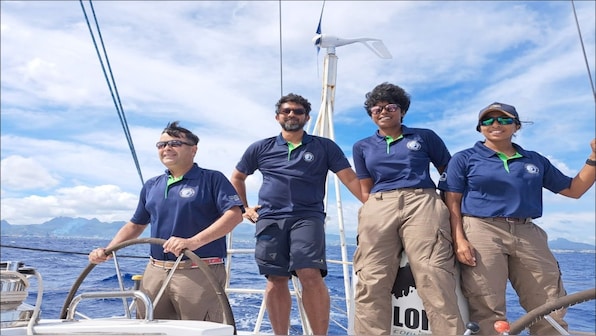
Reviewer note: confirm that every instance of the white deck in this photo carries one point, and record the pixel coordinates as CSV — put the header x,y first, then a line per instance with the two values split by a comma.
x,y
114,326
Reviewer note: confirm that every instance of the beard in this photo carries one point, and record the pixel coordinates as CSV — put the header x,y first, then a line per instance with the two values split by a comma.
x,y
292,125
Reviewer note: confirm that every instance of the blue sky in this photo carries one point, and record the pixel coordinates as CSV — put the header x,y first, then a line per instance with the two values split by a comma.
x,y
215,66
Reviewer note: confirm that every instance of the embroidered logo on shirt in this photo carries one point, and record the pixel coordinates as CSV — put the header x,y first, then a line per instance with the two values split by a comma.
x,y
234,198
532,169
443,177
186,192
414,145
308,157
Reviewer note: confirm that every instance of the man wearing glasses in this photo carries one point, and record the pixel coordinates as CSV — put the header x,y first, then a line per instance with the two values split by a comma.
x,y
191,208
290,214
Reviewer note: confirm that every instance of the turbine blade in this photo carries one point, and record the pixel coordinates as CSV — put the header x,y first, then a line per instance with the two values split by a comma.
x,y
320,19
381,49
318,32
317,41
382,53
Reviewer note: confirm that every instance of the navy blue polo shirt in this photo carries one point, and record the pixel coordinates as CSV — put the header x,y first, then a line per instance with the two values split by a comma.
x,y
402,163
294,179
185,208
493,187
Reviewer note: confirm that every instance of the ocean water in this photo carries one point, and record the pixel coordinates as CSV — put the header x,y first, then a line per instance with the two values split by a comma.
x,y
61,260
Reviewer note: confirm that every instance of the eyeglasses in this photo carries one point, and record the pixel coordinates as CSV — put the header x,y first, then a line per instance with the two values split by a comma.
x,y
171,143
500,120
388,108
297,111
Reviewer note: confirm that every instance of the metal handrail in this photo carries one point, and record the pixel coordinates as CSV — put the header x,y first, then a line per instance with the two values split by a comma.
x,y
112,295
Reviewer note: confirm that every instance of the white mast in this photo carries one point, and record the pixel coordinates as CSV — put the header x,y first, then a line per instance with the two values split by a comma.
x,y
324,127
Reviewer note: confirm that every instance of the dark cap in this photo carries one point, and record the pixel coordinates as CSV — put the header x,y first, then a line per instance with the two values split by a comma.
x,y
509,110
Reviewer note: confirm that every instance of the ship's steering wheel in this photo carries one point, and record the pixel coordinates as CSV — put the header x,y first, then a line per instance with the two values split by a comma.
x,y
228,316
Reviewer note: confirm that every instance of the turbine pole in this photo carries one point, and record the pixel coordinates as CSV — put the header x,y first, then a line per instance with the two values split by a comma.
x,y
324,127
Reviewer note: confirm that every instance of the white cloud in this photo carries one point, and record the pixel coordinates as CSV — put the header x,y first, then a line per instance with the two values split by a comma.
x,y
19,173
215,66
566,225
106,203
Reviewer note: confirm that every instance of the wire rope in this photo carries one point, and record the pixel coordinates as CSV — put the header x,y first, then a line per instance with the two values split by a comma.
x,y
111,83
281,55
581,42
61,251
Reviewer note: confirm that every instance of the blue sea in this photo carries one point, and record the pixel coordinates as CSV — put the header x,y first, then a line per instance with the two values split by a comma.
x,y
61,260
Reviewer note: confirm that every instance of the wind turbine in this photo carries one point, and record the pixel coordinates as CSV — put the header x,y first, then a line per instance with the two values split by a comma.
x,y
324,124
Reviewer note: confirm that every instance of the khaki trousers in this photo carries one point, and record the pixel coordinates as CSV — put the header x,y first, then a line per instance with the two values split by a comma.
x,y
416,221
188,296
515,251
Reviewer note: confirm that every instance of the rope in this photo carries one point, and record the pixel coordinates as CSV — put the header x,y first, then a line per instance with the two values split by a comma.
x,y
111,84
581,41
281,54
64,252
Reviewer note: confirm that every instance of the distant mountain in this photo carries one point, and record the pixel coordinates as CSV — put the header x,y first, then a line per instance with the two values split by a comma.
x,y
88,228
65,227
93,228
564,244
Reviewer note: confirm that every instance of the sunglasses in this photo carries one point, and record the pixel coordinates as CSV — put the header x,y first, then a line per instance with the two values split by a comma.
x,y
171,143
500,120
297,111
389,108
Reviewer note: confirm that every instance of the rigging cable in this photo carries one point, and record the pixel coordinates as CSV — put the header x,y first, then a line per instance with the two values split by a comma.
x,y
64,252
281,54
581,41
111,85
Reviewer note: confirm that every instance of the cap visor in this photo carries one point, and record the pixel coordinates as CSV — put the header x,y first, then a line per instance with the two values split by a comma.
x,y
495,110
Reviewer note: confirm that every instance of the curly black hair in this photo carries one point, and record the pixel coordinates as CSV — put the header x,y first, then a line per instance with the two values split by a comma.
x,y
390,93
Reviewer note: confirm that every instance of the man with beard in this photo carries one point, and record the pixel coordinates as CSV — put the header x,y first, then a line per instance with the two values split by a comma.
x,y
290,214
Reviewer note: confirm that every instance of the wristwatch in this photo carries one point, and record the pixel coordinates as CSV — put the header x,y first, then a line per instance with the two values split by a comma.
x,y
591,162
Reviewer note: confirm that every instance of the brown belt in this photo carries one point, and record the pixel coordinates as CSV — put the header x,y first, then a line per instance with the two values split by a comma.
x,y
185,264
510,220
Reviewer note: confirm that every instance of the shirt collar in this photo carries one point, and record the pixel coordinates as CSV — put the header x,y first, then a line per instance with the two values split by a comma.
x,y
306,138
405,130
193,173
487,152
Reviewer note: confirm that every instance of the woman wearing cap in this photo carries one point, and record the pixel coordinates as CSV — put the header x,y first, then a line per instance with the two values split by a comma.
x,y
493,191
